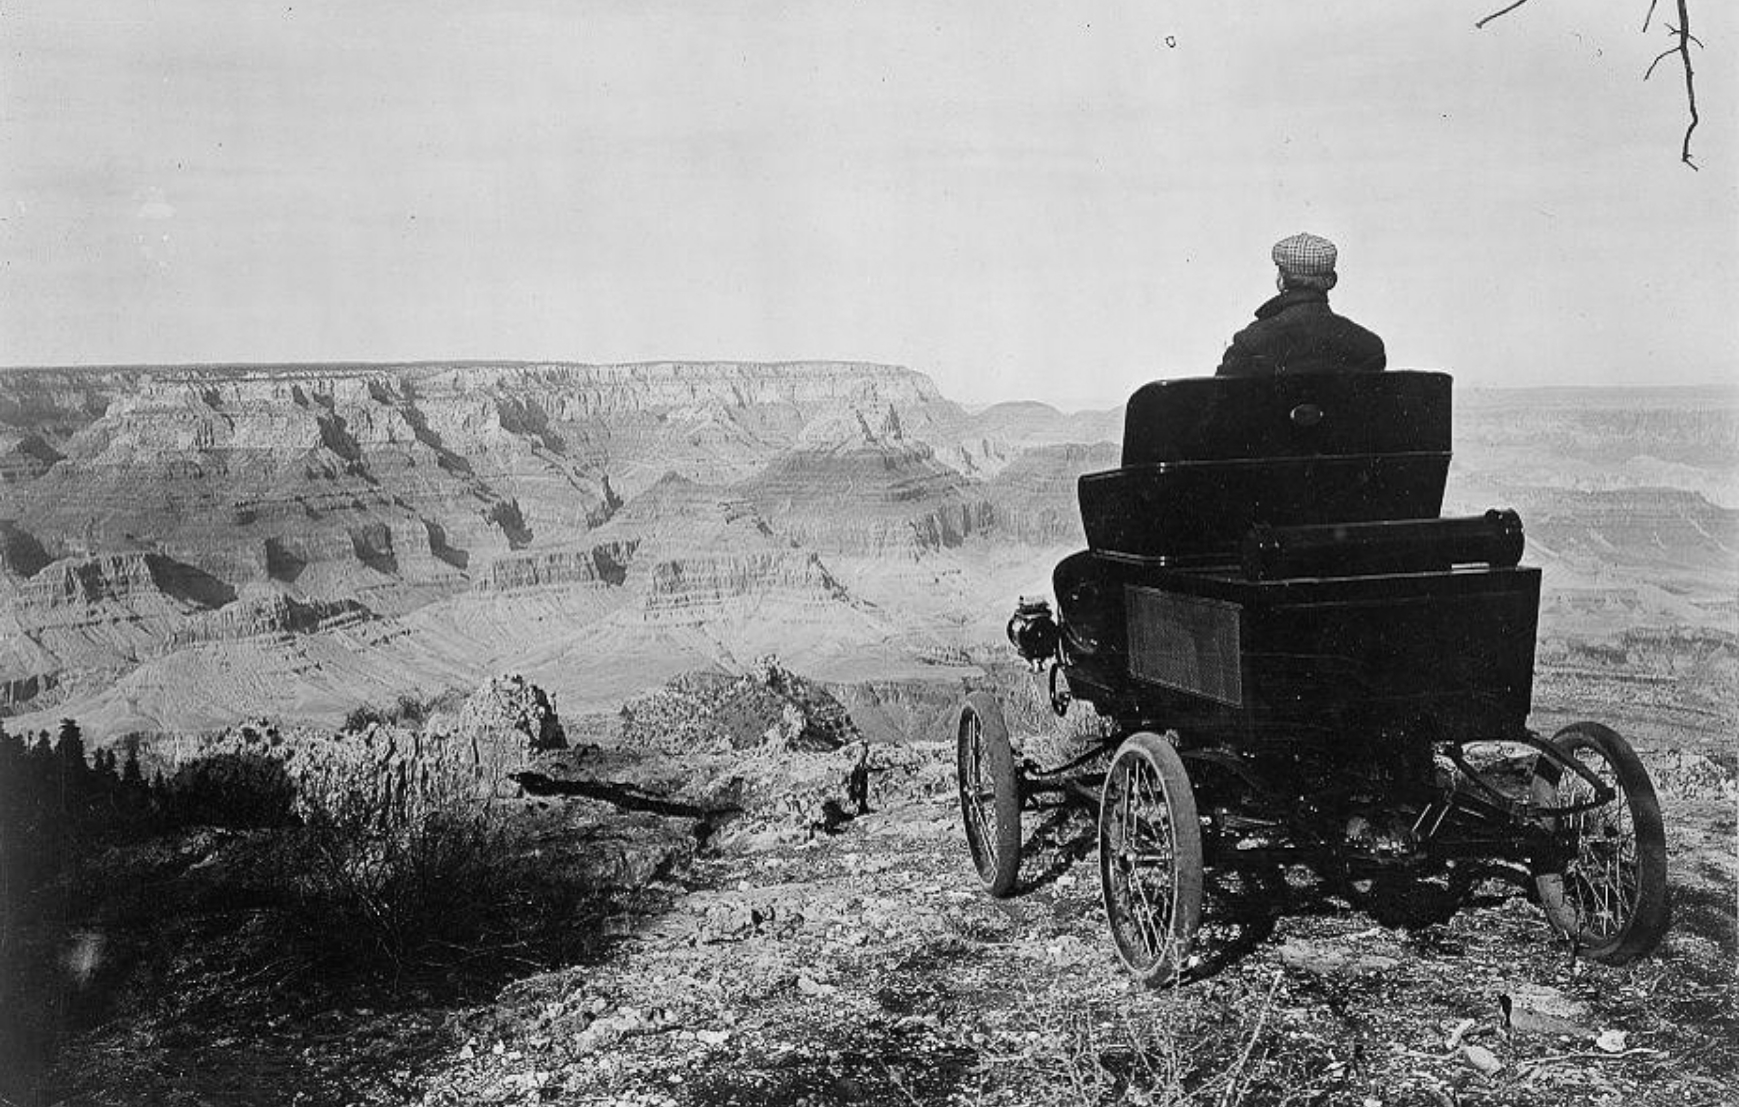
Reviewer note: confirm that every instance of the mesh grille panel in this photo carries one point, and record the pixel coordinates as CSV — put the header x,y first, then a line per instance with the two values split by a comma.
x,y
1185,643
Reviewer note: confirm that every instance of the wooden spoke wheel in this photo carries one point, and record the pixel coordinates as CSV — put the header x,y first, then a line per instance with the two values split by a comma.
x,y
1150,858
1609,894
989,793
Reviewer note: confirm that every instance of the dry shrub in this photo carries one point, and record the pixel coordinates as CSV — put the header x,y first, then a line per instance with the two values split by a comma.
x,y
239,788
404,842
1035,729
407,710
1170,1050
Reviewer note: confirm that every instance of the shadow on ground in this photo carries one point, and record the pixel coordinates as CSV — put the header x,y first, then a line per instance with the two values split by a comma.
x,y
196,968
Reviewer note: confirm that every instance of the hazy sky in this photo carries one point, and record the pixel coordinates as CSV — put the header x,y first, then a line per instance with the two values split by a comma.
x,y
1024,201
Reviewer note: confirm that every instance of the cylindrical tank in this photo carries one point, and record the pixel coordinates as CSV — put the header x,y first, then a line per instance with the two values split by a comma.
x,y
1401,546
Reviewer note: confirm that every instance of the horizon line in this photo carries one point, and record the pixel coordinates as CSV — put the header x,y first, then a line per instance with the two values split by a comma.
x,y
1731,384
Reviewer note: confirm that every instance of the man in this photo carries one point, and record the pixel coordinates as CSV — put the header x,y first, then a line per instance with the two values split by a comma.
x,y
1295,332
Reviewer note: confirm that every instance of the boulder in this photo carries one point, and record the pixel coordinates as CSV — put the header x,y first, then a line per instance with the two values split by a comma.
x,y
510,710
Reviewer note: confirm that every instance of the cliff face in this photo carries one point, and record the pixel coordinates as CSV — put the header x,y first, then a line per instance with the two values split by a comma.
x,y
130,580
259,473
604,564
1694,427
53,404
260,476
1035,495
869,502
701,587
137,505
855,483
96,615
714,422
698,557
1597,441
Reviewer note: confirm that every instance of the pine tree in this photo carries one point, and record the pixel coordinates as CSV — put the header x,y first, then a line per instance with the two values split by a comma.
x,y
41,763
14,756
131,775
13,753
105,770
70,750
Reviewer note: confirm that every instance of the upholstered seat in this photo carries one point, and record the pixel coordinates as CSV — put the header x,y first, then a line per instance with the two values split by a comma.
x,y
1205,459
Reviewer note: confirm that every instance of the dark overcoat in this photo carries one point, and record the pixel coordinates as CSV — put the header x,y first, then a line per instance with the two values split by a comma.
x,y
1295,332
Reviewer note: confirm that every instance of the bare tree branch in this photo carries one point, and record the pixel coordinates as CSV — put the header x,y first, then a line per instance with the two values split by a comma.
x,y
1497,14
1683,30
1682,47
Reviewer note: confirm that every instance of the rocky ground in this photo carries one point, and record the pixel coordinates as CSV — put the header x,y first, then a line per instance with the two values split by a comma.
x,y
869,969
733,947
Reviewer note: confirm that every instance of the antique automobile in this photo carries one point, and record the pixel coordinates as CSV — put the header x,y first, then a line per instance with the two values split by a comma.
x,y
1296,661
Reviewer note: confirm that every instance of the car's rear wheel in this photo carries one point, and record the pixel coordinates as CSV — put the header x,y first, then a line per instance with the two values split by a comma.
x,y
1150,858
1607,890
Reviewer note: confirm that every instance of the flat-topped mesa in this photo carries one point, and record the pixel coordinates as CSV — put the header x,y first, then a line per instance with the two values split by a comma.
x,y
699,587
57,402
84,584
583,391
551,447
902,501
265,613
588,389
342,414
604,564
1692,426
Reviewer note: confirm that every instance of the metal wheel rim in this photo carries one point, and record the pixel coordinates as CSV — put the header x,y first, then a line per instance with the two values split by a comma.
x,y
976,796
1601,883
1141,861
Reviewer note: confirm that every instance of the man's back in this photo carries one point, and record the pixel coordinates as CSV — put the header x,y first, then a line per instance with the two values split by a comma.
x,y
1295,332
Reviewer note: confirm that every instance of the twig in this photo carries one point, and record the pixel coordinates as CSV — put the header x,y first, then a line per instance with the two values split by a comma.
x,y
894,1079
1502,12
253,976
1594,1056
1682,47
1231,1095
1683,31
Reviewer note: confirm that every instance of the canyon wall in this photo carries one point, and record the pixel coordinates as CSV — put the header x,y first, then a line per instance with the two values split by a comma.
x,y
186,545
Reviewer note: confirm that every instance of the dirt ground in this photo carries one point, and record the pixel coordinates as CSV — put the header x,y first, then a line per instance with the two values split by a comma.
x,y
866,967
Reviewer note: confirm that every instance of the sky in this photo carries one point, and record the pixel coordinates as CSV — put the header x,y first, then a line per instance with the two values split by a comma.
x,y
1024,201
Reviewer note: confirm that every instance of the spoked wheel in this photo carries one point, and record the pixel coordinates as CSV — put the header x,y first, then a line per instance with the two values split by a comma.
x,y
1150,858
989,793
1610,896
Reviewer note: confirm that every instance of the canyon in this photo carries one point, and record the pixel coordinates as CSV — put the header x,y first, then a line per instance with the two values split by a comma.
x,y
184,548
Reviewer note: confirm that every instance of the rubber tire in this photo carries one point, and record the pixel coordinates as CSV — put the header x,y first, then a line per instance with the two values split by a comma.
x,y
997,858
1157,757
1643,930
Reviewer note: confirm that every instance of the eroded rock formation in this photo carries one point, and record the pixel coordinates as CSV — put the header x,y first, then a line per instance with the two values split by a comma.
x,y
185,546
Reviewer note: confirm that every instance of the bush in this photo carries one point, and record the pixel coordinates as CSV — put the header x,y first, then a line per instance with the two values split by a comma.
x,y
363,716
238,789
407,710
403,843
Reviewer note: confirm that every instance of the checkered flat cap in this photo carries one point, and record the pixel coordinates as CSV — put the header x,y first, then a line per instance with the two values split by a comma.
x,y
1305,254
